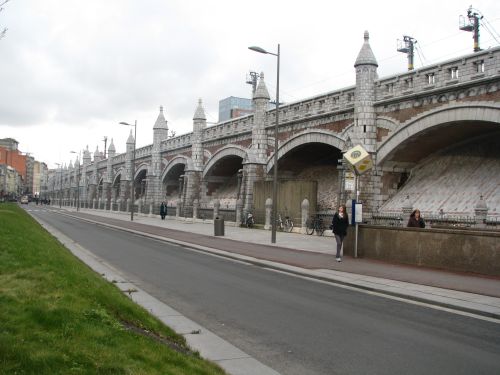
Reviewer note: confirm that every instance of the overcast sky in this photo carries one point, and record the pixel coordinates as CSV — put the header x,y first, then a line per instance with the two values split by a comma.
x,y
71,70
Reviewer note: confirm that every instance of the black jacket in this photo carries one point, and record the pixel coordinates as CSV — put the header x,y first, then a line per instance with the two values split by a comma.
x,y
163,209
413,222
340,224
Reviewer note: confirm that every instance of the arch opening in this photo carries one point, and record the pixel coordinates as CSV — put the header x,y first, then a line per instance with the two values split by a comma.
x,y
222,182
171,183
444,170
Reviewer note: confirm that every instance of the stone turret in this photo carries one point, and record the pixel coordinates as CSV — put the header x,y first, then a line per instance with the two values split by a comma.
x,y
83,180
365,128
255,167
86,157
109,163
108,178
94,179
76,172
125,181
199,125
97,155
364,110
194,168
130,143
111,149
160,129
160,133
259,138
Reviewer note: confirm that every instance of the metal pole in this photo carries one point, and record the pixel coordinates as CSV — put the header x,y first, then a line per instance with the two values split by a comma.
x,y
410,54
133,172
476,33
275,176
354,209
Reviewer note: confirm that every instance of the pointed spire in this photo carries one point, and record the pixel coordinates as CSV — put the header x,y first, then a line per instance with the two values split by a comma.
x,y
130,139
366,56
199,114
86,153
160,123
111,148
261,91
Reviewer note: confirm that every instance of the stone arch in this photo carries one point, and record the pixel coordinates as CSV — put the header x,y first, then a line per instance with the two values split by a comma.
x,y
118,174
457,112
229,150
140,168
387,123
307,136
180,159
207,154
347,130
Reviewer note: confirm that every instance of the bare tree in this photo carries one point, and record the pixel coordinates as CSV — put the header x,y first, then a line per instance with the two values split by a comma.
x,y
4,31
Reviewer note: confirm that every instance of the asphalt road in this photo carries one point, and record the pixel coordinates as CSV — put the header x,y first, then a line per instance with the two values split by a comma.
x,y
291,324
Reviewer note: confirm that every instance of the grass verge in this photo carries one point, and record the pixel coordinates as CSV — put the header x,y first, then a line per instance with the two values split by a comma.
x,y
59,317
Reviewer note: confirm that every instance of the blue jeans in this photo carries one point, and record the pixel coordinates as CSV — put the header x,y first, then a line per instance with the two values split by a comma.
x,y
339,238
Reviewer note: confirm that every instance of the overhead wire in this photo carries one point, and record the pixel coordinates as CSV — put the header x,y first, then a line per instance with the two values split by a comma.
x,y
486,24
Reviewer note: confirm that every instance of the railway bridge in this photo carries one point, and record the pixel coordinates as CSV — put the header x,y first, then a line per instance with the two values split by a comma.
x,y
433,134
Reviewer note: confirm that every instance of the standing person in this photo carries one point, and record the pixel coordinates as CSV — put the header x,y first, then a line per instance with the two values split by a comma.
x,y
163,210
340,222
416,220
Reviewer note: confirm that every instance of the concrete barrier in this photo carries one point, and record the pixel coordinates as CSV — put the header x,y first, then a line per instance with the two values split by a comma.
x,y
455,250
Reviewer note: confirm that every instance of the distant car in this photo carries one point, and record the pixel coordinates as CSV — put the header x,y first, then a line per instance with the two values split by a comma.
x,y
24,199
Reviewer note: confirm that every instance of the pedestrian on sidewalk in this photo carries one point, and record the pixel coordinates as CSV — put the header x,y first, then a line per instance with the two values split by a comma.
x,y
416,220
163,210
340,222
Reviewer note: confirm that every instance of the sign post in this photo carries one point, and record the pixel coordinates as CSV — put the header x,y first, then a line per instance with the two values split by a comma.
x,y
359,161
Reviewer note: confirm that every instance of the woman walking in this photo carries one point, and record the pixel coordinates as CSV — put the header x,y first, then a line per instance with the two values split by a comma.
x,y
163,210
340,222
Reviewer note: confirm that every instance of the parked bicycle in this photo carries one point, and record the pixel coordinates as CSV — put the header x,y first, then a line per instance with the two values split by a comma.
x,y
315,223
284,225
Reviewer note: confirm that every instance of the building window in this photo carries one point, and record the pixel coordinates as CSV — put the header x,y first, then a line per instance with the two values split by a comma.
x,y
479,66
389,88
431,78
453,72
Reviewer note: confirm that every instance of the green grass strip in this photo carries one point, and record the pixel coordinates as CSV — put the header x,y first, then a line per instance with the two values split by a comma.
x,y
59,317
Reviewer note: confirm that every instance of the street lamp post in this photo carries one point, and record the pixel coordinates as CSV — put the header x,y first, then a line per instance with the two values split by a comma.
x,y
78,179
132,169
275,175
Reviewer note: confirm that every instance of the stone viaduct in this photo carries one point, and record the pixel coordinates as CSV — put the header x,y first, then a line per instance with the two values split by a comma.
x,y
408,122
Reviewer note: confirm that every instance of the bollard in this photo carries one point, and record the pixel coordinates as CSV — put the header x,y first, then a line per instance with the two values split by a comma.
x,y
304,215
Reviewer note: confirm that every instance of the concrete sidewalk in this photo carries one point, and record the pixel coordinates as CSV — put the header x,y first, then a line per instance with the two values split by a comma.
x,y
313,256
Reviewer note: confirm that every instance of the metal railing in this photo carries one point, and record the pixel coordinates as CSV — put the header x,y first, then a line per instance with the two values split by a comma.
x,y
435,221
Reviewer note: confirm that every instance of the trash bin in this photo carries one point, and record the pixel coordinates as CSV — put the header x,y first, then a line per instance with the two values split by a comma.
x,y
218,226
